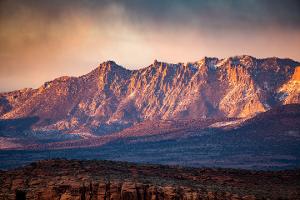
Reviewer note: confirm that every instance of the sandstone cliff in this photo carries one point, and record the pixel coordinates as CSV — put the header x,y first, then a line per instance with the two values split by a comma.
x,y
102,180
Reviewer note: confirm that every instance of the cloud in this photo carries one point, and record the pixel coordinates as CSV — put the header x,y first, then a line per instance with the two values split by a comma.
x,y
41,40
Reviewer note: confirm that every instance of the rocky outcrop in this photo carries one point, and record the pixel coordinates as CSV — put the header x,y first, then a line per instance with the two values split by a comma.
x,y
290,91
240,86
62,179
122,191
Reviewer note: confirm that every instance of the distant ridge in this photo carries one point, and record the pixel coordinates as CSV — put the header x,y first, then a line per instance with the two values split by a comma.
x,y
111,97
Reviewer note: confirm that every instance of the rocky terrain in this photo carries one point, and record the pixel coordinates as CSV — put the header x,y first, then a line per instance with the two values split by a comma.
x,y
238,112
111,97
73,179
268,141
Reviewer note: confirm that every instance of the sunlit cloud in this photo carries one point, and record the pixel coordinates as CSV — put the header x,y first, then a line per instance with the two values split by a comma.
x,y
42,40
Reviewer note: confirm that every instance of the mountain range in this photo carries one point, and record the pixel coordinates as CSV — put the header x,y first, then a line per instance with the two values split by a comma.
x,y
110,95
222,109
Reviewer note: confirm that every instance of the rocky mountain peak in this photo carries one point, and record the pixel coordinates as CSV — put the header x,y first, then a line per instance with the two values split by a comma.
x,y
239,86
208,62
110,66
161,64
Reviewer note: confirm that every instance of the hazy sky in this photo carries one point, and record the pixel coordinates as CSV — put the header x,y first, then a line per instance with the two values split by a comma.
x,y
41,40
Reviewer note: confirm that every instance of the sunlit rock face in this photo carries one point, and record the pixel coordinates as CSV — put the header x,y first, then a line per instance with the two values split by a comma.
x,y
290,91
240,86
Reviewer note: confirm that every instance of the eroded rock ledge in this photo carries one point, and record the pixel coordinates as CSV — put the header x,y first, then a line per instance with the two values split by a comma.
x,y
93,180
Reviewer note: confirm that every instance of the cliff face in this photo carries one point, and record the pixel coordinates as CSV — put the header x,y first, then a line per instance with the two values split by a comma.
x,y
121,191
101,180
234,87
290,91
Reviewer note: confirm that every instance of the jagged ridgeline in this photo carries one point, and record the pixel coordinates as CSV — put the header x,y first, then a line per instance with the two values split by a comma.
x,y
112,97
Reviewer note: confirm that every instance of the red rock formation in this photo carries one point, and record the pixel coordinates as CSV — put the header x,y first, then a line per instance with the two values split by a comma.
x,y
61,179
235,87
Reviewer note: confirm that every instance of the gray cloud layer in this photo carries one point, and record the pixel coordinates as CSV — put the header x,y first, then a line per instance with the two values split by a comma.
x,y
219,12
41,40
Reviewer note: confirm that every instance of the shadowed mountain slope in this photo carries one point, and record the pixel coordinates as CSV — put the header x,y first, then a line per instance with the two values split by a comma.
x,y
270,140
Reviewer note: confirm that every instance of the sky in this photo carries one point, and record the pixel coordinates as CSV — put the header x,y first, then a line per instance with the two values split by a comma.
x,y
43,40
